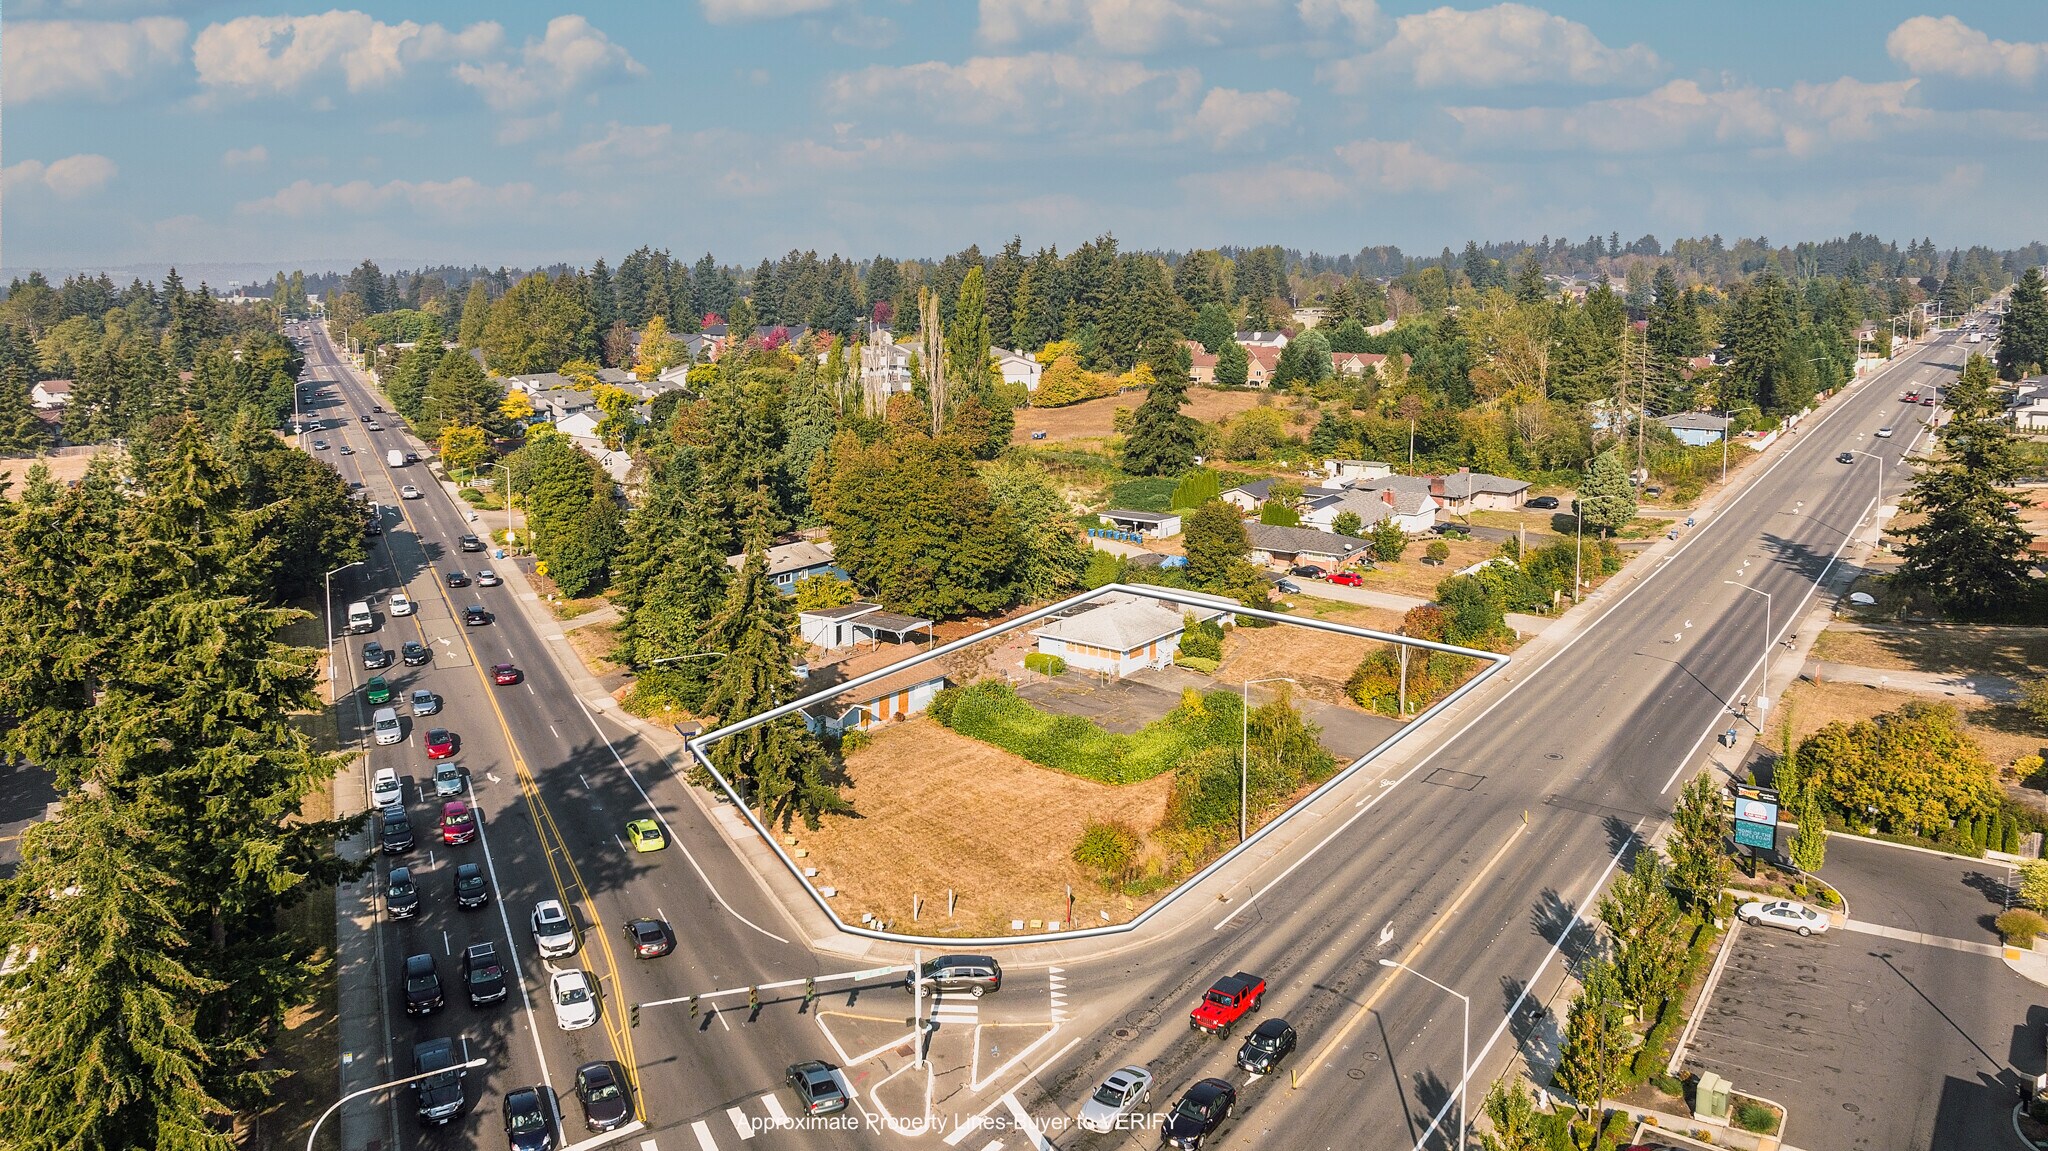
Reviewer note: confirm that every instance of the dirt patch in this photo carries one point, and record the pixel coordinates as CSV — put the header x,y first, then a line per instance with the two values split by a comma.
x,y
1318,661
1411,576
2001,731
67,465
1094,419
2014,652
939,810
594,644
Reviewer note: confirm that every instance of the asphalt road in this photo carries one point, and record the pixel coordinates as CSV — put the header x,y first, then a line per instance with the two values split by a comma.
x,y
1874,1044
1443,872
555,788
1945,895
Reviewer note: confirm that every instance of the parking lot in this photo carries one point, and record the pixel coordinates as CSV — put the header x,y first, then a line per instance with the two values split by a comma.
x,y
1874,1043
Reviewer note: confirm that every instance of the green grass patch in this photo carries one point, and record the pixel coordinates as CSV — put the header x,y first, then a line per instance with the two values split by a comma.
x,y
994,713
1143,494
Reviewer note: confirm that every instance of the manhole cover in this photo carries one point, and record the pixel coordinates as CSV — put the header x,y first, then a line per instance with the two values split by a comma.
x,y
1356,1073
1852,1109
1123,1033
1553,755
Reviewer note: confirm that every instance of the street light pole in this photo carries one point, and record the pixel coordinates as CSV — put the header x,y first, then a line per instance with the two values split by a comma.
x,y
1874,508
327,613
509,538
1244,776
315,1132
1726,417
1763,693
1465,1059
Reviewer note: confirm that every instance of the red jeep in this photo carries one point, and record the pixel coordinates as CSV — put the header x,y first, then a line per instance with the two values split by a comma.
x,y
1229,999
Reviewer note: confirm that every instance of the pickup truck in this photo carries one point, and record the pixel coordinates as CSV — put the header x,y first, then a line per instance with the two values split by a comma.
x,y
1229,999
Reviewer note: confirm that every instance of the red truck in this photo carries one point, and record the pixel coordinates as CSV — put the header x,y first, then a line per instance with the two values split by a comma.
x,y
1229,999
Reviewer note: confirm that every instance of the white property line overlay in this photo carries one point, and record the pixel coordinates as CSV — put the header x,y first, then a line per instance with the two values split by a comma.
x,y
696,747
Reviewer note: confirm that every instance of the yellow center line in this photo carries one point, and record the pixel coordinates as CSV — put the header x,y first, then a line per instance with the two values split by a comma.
x,y
573,890
1371,1001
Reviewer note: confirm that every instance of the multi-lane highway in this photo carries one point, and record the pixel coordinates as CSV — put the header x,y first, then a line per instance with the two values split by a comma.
x,y
1472,864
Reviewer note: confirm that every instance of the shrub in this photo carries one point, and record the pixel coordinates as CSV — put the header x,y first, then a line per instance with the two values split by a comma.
x,y
1197,663
1108,848
1202,640
853,739
1757,1117
1388,541
1044,663
2020,926
1437,552
2034,700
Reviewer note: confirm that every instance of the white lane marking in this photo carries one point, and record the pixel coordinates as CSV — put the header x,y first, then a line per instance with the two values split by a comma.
x,y
741,1125
512,948
669,831
648,1145
703,1138
1025,1123
1517,685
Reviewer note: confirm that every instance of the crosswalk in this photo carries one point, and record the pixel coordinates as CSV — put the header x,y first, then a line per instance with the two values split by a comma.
x,y
745,1126
964,1010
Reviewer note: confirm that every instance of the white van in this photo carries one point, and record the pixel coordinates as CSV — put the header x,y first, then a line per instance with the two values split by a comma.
x,y
384,722
395,458
359,618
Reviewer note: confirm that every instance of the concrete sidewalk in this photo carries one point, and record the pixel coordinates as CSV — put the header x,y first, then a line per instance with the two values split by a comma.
x,y
1989,688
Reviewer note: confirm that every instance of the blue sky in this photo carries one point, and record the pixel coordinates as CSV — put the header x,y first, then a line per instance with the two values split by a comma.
x,y
148,131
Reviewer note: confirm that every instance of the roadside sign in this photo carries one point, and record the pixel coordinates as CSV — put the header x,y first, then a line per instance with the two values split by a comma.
x,y
1756,816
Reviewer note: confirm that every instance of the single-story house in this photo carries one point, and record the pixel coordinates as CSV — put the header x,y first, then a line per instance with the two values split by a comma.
x,y
1466,491
1153,525
1019,367
1356,469
1275,544
1249,496
848,625
788,563
1125,633
896,696
49,394
1357,365
1414,512
1696,429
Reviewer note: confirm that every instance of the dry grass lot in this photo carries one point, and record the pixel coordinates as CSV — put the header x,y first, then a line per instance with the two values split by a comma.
x,y
65,465
940,810
1319,661
2015,652
1413,577
1092,419
2000,731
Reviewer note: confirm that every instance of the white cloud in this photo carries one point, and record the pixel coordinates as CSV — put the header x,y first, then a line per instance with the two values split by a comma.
x,y
255,157
736,11
570,55
69,177
1360,18
1492,47
1228,115
1131,26
1023,92
457,198
1400,166
635,143
1684,115
46,59
1945,46
271,54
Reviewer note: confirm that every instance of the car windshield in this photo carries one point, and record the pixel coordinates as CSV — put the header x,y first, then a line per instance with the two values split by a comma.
x,y
1190,1110
401,887
1110,1094
574,994
602,1092
484,973
525,1120
1263,1042
1220,998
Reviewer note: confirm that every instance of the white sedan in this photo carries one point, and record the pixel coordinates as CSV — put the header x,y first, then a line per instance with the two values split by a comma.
x,y
1884,433
575,1005
553,933
487,578
1786,914
400,605
1114,1102
408,492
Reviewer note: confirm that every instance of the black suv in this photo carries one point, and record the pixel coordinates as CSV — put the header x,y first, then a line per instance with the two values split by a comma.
x,y
397,831
471,544
422,986
483,975
401,896
472,890
414,653
441,1094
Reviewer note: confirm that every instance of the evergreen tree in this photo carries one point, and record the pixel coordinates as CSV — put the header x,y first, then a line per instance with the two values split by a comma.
x,y
1213,327
1233,365
779,767
537,326
476,313
1809,846
458,394
1217,548
21,432
1969,551
742,450
810,418
1348,524
1530,287
668,583
1162,439
1607,500
1699,859
2023,337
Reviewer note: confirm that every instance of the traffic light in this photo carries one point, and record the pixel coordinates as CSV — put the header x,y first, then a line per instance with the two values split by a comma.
x,y
636,1015
693,1007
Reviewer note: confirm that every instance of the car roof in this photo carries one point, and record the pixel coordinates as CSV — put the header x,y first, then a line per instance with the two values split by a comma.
x,y
454,807
1207,1090
1125,1076
1271,1028
554,905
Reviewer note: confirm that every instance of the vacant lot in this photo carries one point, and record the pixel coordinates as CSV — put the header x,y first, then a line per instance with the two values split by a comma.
x,y
1093,419
2015,652
66,465
939,810
1411,576
1318,661
2001,731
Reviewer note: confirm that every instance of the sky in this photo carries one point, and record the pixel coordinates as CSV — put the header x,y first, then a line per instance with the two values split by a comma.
x,y
520,132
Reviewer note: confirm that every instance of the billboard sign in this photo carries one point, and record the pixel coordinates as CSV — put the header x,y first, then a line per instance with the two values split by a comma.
x,y
1756,817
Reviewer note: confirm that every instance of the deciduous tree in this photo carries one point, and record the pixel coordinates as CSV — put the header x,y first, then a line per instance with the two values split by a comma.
x,y
1697,844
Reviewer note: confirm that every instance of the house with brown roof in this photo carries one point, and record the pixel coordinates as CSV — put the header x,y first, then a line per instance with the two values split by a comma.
x,y
47,395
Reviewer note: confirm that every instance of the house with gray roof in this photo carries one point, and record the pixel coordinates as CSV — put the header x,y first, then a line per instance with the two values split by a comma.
x,y
1288,546
788,563
1465,491
1412,510
1249,496
1126,633
1696,429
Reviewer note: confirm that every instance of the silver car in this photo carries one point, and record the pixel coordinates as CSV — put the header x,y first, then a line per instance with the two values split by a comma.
x,y
425,702
448,781
1114,1102
1784,913
553,933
